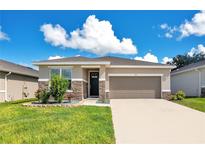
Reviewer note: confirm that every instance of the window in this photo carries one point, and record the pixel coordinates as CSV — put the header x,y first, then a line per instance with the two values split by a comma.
x,y
63,72
66,73
55,71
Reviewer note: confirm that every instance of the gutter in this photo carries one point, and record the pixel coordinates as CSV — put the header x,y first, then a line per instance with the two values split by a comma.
x,y
5,85
142,66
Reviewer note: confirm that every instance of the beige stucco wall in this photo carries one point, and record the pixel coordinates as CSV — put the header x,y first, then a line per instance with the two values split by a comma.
x,y
187,81
17,84
77,72
102,73
165,83
2,97
85,74
43,72
2,86
2,77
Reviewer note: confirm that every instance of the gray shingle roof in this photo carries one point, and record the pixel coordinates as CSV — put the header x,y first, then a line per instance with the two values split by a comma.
x,y
190,66
125,61
18,69
112,60
69,59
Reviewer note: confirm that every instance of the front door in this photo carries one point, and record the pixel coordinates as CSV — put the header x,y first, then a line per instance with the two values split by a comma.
x,y
94,83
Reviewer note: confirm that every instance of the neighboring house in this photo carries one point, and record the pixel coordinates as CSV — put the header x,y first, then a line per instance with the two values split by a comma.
x,y
108,77
190,79
16,81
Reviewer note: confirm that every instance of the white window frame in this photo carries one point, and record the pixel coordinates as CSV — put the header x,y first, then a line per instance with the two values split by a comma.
x,y
61,67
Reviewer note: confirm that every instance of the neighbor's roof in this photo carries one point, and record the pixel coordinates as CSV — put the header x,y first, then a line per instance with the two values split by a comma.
x,y
189,67
18,69
113,61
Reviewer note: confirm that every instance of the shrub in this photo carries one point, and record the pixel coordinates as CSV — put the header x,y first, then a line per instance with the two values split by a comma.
x,y
173,97
44,96
180,95
58,87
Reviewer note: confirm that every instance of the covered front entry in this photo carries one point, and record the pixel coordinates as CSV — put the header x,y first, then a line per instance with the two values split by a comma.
x,y
135,87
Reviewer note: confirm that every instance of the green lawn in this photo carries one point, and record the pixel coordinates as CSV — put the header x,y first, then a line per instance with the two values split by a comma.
x,y
195,103
83,124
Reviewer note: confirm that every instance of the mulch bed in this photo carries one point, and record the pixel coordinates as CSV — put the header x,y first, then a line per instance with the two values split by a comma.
x,y
37,104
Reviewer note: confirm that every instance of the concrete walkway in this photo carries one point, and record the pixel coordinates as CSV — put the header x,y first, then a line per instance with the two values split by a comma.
x,y
92,102
156,121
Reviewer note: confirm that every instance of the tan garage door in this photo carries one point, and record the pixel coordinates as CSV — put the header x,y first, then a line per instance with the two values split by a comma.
x,y
135,87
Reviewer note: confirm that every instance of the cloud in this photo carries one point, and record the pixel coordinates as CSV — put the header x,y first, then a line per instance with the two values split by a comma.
x,y
148,57
166,59
196,26
55,57
169,31
200,49
164,26
3,36
168,35
95,36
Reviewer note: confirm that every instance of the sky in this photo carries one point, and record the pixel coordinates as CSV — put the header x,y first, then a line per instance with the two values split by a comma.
x,y
155,36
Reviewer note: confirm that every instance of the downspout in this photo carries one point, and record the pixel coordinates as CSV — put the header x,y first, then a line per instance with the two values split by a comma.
x,y
199,91
5,83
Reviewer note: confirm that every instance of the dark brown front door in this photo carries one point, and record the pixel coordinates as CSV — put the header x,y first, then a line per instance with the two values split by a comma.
x,y
94,83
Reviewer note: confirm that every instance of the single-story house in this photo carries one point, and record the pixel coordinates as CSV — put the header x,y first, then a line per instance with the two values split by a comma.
x,y
16,81
190,79
108,77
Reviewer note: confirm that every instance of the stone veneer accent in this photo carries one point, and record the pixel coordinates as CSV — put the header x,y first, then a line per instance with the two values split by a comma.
x,y
107,95
77,87
166,95
85,89
102,90
43,84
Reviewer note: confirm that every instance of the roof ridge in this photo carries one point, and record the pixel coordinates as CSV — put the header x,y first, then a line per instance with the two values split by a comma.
x,y
128,59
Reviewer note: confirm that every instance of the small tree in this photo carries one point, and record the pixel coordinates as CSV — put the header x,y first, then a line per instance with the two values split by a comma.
x,y
58,87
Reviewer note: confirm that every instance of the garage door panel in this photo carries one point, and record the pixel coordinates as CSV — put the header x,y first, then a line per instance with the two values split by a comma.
x,y
135,87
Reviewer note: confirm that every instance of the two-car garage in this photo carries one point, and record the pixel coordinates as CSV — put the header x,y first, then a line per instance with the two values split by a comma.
x,y
135,87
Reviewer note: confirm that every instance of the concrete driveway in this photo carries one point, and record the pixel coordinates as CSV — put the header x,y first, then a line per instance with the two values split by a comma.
x,y
156,121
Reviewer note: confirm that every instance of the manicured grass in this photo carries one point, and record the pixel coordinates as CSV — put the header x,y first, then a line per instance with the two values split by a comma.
x,y
195,103
84,124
